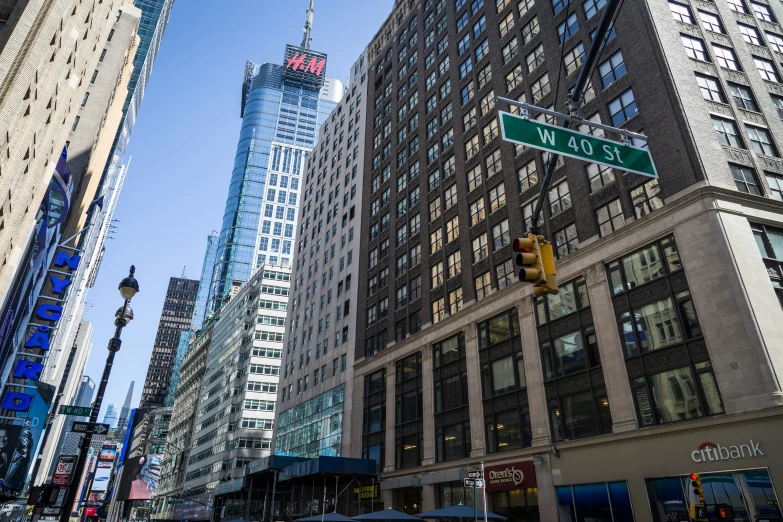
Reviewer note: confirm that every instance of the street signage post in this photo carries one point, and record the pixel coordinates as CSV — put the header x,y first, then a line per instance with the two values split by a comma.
x,y
559,140
64,470
79,411
474,483
474,474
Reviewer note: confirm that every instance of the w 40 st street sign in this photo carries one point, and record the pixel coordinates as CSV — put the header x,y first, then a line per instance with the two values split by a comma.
x,y
585,147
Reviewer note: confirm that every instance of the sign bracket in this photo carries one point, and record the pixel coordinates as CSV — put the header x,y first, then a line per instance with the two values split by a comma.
x,y
526,107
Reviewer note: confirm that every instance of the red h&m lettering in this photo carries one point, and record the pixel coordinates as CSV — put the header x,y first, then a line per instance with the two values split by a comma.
x,y
295,62
316,66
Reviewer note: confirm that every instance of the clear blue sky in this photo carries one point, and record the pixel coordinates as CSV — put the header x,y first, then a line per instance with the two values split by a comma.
x,y
183,150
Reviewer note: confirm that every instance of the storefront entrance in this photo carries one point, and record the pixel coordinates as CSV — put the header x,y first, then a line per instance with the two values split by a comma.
x,y
738,496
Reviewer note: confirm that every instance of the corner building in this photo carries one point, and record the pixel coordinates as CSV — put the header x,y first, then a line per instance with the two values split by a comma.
x,y
661,354
318,361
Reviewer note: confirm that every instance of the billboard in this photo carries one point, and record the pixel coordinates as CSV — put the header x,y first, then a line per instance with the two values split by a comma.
x,y
9,439
140,477
108,452
304,65
100,481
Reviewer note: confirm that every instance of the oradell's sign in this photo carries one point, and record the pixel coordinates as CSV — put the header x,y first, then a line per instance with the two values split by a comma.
x,y
505,477
574,144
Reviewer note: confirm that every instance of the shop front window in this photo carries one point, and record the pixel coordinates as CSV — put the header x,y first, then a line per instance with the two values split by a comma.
x,y
600,502
454,494
742,496
518,505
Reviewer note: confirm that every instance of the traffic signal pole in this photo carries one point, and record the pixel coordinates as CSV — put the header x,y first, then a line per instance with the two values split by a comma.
x,y
575,99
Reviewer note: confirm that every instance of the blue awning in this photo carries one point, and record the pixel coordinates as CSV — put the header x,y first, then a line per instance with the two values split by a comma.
x,y
458,512
327,517
329,466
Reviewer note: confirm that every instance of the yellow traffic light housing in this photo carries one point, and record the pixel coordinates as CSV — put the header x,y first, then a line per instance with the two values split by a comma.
x,y
528,260
697,509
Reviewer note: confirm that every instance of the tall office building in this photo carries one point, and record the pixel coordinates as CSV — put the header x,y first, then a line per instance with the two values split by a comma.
x,y
122,422
110,417
176,316
318,360
660,356
237,402
282,108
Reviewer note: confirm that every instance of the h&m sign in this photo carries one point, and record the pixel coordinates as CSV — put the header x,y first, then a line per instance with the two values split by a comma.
x,y
26,369
304,65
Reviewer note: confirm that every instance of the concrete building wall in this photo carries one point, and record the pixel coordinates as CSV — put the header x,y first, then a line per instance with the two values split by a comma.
x,y
323,335
49,53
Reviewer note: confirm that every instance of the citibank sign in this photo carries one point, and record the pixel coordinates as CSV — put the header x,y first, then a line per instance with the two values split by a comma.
x,y
711,452
25,369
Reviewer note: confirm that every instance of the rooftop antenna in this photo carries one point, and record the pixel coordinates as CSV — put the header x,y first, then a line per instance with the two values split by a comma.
x,y
183,271
308,27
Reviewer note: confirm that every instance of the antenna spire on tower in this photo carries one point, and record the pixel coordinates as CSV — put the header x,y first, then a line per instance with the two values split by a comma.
x,y
308,27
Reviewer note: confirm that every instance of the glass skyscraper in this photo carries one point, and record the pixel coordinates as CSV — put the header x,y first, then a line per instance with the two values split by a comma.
x,y
282,109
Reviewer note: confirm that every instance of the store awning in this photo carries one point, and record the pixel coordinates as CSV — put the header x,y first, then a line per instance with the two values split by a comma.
x,y
328,466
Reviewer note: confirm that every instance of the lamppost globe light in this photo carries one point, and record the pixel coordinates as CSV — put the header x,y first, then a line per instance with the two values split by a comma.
x,y
128,314
129,286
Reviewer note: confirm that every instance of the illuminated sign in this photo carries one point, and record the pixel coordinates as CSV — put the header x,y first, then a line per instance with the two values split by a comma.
x,y
709,451
304,65
519,475
24,369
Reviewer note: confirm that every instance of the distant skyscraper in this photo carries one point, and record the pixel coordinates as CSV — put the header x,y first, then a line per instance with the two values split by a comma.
x,y
111,416
175,317
204,299
69,444
122,423
282,108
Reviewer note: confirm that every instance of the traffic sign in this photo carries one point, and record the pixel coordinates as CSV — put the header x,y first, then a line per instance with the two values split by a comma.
x,y
474,483
544,136
65,465
474,474
81,427
79,411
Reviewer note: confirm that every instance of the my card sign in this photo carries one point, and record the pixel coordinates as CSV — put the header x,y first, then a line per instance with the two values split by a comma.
x,y
576,145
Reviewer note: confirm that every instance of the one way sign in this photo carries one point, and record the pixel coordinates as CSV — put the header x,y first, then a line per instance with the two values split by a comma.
x,y
82,427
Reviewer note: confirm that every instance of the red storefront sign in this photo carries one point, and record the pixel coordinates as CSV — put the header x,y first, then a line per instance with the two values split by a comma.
x,y
505,477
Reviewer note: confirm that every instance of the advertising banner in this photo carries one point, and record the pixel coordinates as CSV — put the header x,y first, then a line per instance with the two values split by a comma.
x,y
140,478
100,482
108,452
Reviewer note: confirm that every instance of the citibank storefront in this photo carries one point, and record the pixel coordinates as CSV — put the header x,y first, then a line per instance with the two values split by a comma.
x,y
645,475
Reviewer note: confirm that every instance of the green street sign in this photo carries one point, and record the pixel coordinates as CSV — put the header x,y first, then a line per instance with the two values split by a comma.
x,y
80,411
574,144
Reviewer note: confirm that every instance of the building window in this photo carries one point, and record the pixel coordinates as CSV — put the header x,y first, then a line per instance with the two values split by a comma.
x,y
497,197
745,179
749,34
591,7
610,217
725,57
612,69
505,273
559,198
599,176
567,28
646,198
710,88
737,5
761,141
766,70
775,186
770,243
681,12
483,286
374,418
623,108
450,383
540,88
480,248
775,41
530,30
566,241
727,133
455,301
743,97
500,234
611,499
694,48
408,411
762,12
711,22
527,175
477,212
574,58
535,58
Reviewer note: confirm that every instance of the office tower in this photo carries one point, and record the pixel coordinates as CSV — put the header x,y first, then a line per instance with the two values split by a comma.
x,y
110,417
660,352
182,348
204,298
282,108
175,317
183,418
318,360
238,396
43,84
122,422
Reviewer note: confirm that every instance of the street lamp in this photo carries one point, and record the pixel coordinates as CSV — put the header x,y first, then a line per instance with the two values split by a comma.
x,y
128,288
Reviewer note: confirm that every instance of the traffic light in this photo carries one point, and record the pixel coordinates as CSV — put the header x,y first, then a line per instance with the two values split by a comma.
x,y
528,260
698,511
535,263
